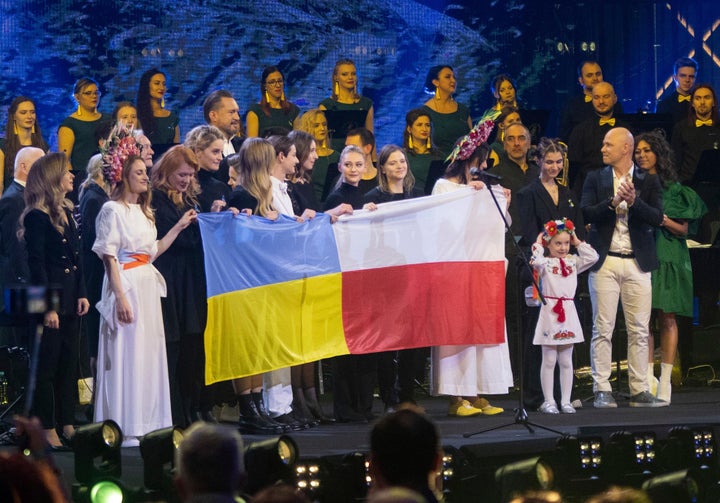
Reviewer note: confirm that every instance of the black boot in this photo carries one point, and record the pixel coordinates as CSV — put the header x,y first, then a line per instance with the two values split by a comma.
x,y
301,410
312,404
251,422
259,402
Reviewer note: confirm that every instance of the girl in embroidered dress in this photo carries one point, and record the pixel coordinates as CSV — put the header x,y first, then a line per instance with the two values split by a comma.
x,y
558,326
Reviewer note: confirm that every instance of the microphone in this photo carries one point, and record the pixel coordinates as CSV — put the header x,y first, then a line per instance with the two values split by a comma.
x,y
482,175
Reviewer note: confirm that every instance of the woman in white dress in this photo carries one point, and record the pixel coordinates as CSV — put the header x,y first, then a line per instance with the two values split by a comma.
x,y
465,372
132,387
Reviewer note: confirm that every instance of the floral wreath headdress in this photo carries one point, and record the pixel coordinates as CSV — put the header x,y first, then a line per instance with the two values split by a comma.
x,y
554,227
476,137
118,147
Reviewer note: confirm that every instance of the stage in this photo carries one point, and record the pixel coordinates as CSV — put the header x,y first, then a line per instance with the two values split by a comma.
x,y
691,406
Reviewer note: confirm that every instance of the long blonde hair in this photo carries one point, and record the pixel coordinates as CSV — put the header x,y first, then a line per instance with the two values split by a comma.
x,y
166,166
255,159
43,191
123,187
307,124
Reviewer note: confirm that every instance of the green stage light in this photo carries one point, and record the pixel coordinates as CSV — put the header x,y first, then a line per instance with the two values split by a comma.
x,y
676,487
106,491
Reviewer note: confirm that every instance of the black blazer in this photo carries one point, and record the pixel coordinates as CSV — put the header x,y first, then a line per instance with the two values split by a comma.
x,y
13,256
54,258
536,208
644,216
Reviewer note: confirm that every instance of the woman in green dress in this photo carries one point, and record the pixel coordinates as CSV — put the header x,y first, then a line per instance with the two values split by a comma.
x,y
417,143
159,124
672,282
273,110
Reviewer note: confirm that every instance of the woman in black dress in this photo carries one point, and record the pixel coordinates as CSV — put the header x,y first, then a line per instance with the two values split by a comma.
x,y
175,191
207,144
159,124
53,246
541,201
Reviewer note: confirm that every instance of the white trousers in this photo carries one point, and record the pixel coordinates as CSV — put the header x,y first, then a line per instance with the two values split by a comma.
x,y
620,279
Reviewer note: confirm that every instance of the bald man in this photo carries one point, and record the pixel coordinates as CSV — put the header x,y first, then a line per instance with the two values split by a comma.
x,y
586,139
13,256
623,206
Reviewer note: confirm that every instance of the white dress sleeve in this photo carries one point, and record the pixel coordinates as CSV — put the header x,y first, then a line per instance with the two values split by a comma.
x,y
538,258
107,228
587,256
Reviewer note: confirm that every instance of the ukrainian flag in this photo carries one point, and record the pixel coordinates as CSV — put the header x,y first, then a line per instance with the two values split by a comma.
x,y
414,273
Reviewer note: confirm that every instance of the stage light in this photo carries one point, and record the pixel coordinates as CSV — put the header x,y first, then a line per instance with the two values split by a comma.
x,y
584,46
157,449
521,476
307,477
270,461
581,457
629,455
97,451
676,487
686,448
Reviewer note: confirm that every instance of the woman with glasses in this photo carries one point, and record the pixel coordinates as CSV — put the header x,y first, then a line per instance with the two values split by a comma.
x,y
274,110
77,133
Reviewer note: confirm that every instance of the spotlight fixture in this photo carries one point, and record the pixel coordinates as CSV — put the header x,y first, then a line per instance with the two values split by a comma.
x,y
270,461
157,449
97,442
521,476
684,486
581,456
689,447
629,455
307,477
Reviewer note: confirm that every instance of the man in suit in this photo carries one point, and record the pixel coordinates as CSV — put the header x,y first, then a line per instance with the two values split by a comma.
x,y
579,107
221,110
587,137
13,256
623,206
677,104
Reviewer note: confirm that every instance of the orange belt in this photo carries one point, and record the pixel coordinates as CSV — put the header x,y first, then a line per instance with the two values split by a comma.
x,y
138,260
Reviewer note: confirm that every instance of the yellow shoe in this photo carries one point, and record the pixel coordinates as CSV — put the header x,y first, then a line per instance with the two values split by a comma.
x,y
485,407
463,409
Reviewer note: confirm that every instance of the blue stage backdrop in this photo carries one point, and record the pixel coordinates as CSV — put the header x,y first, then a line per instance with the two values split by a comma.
x,y
205,45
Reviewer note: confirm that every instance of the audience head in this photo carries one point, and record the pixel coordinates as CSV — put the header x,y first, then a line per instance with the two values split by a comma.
x,y
503,88
393,166
551,156
351,165
285,155
209,460
175,175
314,122
272,85
404,450
617,148
704,104
253,164
24,160
281,493
86,93
620,495
344,76
221,110
418,130
440,77
306,151
603,99
684,74
361,137
146,150
125,113
653,153
95,175
538,497
589,74
516,142
395,495
207,143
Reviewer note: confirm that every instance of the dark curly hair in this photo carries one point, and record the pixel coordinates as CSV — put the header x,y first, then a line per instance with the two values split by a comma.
x,y
665,156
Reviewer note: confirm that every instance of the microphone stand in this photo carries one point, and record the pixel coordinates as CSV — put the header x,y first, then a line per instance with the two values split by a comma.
x,y
521,415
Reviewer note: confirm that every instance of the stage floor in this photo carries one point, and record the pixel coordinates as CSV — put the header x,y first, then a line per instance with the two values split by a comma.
x,y
690,406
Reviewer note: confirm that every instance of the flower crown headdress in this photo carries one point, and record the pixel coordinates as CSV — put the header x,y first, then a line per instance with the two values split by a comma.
x,y
554,227
476,137
118,147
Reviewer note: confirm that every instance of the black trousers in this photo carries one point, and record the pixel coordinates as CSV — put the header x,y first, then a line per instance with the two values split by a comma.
x,y
56,386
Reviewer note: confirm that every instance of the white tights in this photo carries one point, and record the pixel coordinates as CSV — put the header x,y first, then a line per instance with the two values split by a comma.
x,y
562,355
